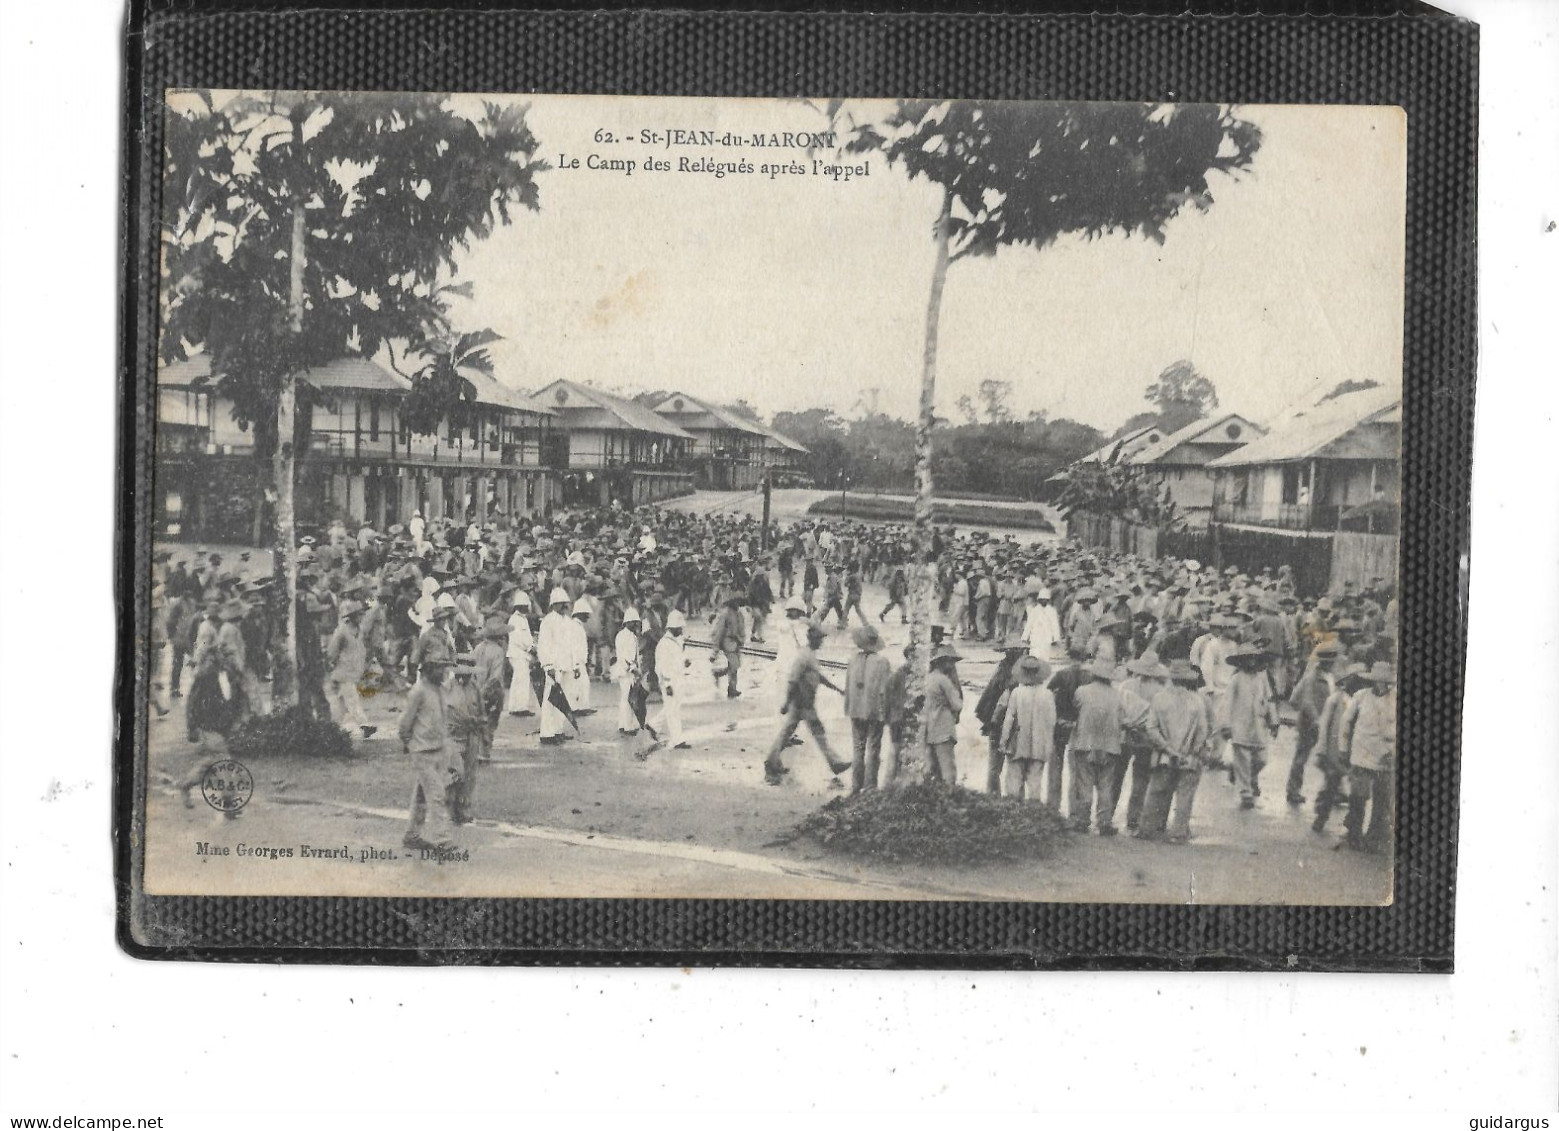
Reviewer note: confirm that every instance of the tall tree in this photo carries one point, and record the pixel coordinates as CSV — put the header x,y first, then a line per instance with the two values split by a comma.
x,y
1026,174
302,226
1181,395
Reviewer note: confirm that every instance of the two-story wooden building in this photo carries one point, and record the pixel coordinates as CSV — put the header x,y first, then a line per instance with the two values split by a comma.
x,y
1323,486
726,452
614,450
1317,466
1178,461
361,460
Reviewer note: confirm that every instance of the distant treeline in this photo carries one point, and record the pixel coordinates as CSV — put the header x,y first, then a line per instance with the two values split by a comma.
x,y
1000,458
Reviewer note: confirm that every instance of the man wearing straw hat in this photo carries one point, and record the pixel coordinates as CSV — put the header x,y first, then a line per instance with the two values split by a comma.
x,y
866,705
1146,677
801,707
1247,718
424,735
489,656
944,706
1369,735
347,659
1103,715
988,708
1179,730
1028,731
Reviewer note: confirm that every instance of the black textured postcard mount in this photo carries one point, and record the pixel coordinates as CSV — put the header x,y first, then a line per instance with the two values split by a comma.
x,y
1373,53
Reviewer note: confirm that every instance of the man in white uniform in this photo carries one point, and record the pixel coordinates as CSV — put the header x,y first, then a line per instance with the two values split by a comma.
x,y
625,670
671,670
521,699
554,644
576,683
1042,628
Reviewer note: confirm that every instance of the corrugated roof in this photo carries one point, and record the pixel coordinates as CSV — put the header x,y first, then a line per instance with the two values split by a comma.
x,y
1305,432
627,413
1155,453
348,372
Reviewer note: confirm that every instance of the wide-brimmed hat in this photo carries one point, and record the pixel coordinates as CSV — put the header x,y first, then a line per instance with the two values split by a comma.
x,y
1145,665
867,638
1181,671
1031,669
1249,653
1011,644
1326,650
945,652
349,609
495,627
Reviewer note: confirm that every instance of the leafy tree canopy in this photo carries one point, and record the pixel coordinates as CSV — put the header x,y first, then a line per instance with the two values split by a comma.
x,y
392,187
1181,395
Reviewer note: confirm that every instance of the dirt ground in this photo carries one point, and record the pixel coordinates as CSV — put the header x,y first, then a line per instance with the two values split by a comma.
x,y
588,819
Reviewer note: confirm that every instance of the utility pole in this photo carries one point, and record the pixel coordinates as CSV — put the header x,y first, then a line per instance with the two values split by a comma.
x,y
768,498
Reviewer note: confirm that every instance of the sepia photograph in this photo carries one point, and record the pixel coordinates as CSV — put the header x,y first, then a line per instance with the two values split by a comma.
x,y
609,496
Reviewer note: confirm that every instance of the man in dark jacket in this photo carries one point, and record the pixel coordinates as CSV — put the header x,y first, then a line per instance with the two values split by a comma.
x,y
1004,677
1064,685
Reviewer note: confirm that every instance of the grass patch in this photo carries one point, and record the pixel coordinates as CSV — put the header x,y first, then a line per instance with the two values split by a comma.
x,y
933,823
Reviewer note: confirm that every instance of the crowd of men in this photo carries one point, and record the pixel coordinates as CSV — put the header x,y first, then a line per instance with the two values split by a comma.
x,y
1108,664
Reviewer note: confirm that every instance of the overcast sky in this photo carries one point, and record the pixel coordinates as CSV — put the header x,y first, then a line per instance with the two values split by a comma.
x,y
803,292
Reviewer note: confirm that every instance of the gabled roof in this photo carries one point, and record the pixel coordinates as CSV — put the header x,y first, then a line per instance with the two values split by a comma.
x,y
1205,430
347,372
1309,431
491,391
776,438
680,404
1128,444
614,411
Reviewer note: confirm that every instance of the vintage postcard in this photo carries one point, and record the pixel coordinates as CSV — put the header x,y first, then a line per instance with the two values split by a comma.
x,y
702,497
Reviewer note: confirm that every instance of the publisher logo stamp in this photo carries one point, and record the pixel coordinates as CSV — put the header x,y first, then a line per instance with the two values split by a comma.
x,y
227,786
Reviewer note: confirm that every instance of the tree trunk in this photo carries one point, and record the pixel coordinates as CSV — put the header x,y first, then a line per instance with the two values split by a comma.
x,y
922,582
284,465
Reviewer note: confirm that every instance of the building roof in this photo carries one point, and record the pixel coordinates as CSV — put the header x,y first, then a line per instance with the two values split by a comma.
x,y
1128,444
491,391
680,404
347,372
609,411
777,439
1308,432
1205,430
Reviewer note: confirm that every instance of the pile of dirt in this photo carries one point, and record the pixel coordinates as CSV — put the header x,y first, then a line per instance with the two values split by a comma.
x,y
290,732
933,823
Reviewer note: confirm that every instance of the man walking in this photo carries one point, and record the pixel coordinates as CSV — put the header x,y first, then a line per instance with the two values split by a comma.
x,y
801,706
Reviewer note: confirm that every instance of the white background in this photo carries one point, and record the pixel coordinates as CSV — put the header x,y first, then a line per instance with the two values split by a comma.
x,y
86,1031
